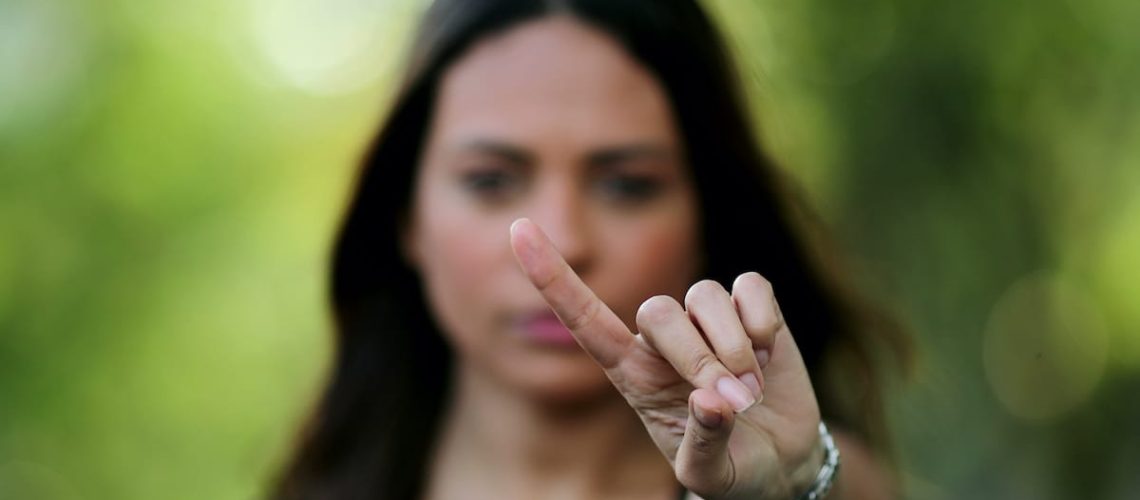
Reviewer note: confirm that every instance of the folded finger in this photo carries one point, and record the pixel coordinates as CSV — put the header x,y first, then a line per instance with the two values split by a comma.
x,y
712,308
702,462
667,328
759,314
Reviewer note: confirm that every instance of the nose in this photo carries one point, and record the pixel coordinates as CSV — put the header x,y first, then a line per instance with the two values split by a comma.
x,y
562,213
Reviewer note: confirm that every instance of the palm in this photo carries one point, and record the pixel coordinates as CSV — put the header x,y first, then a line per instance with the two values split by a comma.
x,y
665,376
660,395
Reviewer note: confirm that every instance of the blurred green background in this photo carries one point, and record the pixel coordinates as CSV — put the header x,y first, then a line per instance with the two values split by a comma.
x,y
171,174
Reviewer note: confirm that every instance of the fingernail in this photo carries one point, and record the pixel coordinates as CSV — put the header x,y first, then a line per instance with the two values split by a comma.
x,y
706,418
762,356
753,383
735,393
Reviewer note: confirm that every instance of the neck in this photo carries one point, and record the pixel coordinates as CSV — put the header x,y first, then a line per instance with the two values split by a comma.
x,y
500,443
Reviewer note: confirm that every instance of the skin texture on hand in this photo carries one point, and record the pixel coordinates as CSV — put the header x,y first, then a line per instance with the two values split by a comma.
x,y
733,410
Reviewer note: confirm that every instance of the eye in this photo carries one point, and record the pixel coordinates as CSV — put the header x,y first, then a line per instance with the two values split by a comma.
x,y
491,183
630,188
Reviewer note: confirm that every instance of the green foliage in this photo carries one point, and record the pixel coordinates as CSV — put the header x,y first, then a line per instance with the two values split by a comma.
x,y
171,176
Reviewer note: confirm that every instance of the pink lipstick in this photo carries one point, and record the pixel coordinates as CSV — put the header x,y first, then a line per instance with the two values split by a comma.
x,y
543,327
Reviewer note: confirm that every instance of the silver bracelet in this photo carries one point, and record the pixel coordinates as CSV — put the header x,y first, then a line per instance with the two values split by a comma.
x,y
830,469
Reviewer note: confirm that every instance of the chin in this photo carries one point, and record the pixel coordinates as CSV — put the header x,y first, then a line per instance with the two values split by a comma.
x,y
559,379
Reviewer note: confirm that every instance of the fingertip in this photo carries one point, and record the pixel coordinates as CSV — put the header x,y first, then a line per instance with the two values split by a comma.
x,y
763,356
518,231
755,383
733,391
707,417
657,310
750,276
518,224
710,409
525,241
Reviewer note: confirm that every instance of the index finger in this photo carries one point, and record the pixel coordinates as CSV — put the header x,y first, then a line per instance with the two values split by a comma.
x,y
599,331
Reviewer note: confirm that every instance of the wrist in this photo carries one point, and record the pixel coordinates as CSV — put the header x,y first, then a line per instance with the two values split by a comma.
x,y
809,479
802,477
828,470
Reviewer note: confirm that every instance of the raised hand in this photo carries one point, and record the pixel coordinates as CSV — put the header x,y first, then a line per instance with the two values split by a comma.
x,y
733,410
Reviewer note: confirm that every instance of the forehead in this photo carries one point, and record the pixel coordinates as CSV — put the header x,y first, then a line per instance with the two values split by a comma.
x,y
555,81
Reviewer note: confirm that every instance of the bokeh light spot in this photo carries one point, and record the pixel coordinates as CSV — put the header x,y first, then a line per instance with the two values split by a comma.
x,y
1118,279
328,46
41,57
1045,347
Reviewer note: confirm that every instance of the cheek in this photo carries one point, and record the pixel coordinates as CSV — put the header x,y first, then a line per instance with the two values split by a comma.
x,y
668,258
656,257
461,258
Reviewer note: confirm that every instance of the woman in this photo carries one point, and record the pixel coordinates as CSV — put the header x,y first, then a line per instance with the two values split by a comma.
x,y
590,159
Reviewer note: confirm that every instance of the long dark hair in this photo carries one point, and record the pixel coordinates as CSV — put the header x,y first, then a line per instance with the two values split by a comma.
x,y
372,432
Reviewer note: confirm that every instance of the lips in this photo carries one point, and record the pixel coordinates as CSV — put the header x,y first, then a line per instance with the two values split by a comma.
x,y
543,327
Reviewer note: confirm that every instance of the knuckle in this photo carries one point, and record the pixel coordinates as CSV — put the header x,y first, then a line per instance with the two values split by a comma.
x,y
656,311
778,321
763,335
769,324
740,355
755,297
763,325
702,363
703,291
702,444
583,316
754,281
544,279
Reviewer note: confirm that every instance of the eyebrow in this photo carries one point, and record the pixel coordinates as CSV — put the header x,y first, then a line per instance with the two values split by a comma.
x,y
603,157
614,155
509,152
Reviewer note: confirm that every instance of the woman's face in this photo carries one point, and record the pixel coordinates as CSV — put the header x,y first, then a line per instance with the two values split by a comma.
x,y
550,120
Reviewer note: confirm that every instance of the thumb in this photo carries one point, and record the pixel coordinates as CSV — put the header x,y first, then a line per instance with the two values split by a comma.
x,y
702,463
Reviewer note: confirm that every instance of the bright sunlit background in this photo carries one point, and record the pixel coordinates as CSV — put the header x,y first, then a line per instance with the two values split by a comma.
x,y
171,174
